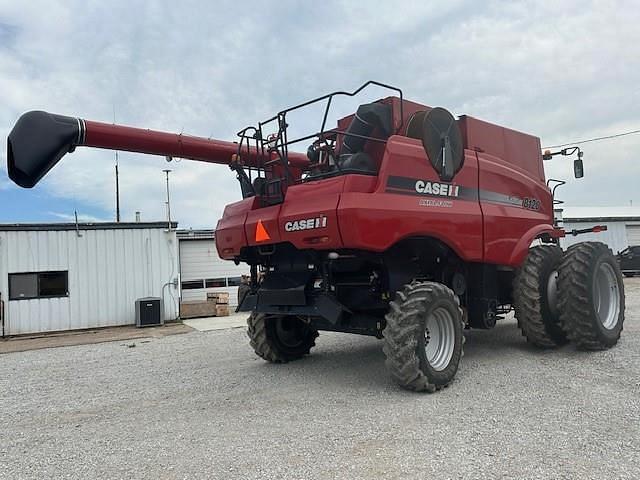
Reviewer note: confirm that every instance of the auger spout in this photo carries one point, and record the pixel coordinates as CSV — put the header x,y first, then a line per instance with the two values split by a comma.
x,y
39,140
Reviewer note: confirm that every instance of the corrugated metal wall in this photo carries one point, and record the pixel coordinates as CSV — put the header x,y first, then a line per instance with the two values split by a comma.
x,y
633,233
108,271
199,260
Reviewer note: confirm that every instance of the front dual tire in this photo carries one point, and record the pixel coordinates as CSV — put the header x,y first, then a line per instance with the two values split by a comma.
x,y
575,296
535,297
591,300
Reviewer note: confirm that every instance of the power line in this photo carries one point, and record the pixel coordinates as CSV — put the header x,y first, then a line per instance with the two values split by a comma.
x,y
594,139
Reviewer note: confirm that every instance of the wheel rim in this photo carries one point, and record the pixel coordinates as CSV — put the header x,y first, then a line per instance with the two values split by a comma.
x,y
606,296
439,338
290,331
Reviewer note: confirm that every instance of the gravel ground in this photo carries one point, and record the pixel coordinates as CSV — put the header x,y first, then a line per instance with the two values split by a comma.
x,y
200,405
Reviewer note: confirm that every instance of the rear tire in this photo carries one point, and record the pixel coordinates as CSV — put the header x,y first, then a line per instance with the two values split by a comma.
x,y
280,338
534,297
591,296
423,337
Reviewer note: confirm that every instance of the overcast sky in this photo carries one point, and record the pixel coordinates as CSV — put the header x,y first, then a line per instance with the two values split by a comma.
x,y
561,70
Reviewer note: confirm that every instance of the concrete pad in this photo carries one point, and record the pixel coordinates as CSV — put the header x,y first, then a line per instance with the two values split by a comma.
x,y
236,320
82,337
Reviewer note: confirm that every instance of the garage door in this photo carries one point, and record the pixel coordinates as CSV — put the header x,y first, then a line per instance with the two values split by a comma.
x,y
633,234
202,271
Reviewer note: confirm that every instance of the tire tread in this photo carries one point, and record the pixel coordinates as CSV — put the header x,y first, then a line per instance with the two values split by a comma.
x,y
265,346
574,284
403,328
527,299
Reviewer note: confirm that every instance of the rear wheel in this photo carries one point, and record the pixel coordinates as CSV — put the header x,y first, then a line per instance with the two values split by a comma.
x,y
591,296
535,292
423,337
280,338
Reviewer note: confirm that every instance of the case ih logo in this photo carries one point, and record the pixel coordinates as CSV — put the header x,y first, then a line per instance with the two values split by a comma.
x,y
306,224
435,188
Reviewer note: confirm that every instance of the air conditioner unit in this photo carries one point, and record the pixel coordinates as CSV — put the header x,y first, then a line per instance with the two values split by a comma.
x,y
149,312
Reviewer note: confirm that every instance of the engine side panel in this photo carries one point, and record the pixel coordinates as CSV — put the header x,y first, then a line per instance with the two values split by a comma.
x,y
407,203
514,205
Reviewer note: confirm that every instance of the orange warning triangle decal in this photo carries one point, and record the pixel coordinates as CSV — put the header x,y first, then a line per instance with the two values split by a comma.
x,y
261,232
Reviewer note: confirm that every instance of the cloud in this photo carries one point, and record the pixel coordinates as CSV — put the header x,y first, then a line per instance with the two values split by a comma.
x,y
561,70
81,218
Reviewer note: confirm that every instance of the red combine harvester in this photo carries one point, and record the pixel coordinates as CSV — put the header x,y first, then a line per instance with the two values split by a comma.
x,y
402,223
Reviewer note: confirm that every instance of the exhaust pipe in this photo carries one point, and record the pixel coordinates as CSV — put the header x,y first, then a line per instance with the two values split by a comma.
x,y
39,140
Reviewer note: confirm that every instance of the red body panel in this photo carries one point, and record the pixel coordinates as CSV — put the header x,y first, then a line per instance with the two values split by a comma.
x,y
496,205
506,223
378,220
269,218
313,200
230,233
511,177
516,148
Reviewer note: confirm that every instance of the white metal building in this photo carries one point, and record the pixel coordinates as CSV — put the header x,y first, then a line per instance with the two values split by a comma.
x,y
623,225
73,276
202,270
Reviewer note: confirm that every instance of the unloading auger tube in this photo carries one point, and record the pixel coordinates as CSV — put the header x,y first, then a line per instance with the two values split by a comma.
x,y
39,140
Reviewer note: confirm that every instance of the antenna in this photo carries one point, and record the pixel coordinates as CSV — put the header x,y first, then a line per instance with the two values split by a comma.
x,y
75,213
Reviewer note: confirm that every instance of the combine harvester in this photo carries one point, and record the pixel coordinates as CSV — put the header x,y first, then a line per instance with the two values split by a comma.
x,y
402,222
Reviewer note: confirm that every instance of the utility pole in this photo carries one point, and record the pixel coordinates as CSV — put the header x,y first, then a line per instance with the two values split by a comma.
x,y
117,191
167,172
117,176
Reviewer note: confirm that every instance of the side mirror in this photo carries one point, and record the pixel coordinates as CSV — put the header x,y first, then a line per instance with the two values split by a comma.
x,y
578,168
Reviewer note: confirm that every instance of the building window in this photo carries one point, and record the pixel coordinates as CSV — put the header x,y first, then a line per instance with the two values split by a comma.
x,y
192,285
234,281
23,286
216,282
